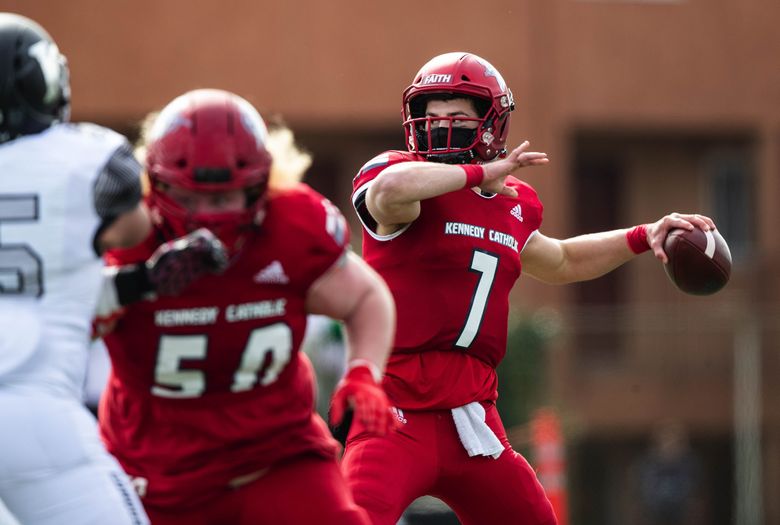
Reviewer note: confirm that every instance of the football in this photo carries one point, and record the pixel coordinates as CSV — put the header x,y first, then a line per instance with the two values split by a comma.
x,y
699,261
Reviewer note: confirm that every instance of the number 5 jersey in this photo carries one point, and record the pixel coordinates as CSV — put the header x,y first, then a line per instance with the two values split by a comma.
x,y
58,190
450,272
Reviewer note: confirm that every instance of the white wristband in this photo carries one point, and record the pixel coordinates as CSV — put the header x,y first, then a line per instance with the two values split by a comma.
x,y
376,372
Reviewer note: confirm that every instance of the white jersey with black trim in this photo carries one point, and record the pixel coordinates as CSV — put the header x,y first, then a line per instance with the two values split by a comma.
x,y
49,271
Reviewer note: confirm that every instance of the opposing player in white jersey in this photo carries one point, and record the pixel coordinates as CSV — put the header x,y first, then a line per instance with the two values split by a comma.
x,y
66,193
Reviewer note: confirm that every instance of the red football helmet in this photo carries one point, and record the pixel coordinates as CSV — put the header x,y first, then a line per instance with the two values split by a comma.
x,y
208,140
466,76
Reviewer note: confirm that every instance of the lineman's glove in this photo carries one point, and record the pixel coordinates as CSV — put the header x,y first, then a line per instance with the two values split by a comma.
x,y
175,264
360,395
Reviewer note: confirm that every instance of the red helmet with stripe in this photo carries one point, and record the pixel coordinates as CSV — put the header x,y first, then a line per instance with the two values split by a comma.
x,y
208,140
458,75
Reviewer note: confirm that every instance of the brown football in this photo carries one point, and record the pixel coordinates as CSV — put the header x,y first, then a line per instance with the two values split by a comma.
x,y
699,261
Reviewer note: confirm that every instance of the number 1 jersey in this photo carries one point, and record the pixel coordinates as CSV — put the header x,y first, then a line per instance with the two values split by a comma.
x,y
450,271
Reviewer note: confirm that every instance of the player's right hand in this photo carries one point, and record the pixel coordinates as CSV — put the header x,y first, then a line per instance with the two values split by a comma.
x,y
658,230
359,391
497,172
176,264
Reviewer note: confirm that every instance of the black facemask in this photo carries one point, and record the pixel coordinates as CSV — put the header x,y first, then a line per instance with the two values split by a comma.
x,y
461,138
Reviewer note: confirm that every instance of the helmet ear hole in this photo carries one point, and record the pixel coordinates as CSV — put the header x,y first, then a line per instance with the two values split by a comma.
x,y
241,163
181,163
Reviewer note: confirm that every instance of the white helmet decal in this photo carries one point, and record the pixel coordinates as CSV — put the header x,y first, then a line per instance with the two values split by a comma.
x,y
252,121
48,56
490,71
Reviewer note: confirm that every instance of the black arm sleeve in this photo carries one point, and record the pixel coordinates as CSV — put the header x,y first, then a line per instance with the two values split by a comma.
x,y
362,210
118,186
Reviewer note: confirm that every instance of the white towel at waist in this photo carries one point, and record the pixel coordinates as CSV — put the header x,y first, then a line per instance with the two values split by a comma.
x,y
477,438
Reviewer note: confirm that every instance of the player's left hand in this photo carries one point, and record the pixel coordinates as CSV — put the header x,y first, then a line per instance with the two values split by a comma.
x,y
359,391
497,171
657,231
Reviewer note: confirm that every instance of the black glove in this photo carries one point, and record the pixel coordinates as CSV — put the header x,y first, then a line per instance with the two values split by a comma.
x,y
173,266
176,264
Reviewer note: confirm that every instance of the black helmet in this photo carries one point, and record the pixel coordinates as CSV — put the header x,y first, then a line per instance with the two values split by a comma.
x,y
34,81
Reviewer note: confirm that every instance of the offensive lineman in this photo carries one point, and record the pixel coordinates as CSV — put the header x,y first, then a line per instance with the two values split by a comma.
x,y
210,404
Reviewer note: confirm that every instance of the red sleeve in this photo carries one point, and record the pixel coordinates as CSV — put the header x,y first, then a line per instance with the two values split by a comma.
x,y
316,233
368,173
529,207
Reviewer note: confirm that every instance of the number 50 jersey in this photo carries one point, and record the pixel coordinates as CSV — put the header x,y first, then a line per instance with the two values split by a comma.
x,y
450,272
209,388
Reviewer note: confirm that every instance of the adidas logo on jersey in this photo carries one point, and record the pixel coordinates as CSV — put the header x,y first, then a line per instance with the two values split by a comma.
x,y
272,274
517,212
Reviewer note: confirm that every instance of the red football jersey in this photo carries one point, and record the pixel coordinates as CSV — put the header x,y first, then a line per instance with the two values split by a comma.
x,y
450,272
209,388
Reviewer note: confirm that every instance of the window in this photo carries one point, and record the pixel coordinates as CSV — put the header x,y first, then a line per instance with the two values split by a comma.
x,y
731,186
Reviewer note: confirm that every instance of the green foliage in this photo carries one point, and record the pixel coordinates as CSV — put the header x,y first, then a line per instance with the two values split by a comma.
x,y
522,375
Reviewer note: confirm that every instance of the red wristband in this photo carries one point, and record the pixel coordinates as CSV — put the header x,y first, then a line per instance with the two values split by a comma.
x,y
636,238
475,173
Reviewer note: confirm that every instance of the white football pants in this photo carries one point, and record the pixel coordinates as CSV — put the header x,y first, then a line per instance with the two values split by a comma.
x,y
54,469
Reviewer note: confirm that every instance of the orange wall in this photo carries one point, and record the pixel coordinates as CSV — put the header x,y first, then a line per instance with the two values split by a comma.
x,y
346,61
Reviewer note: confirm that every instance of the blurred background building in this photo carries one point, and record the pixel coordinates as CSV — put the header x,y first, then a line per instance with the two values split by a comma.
x,y
644,107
